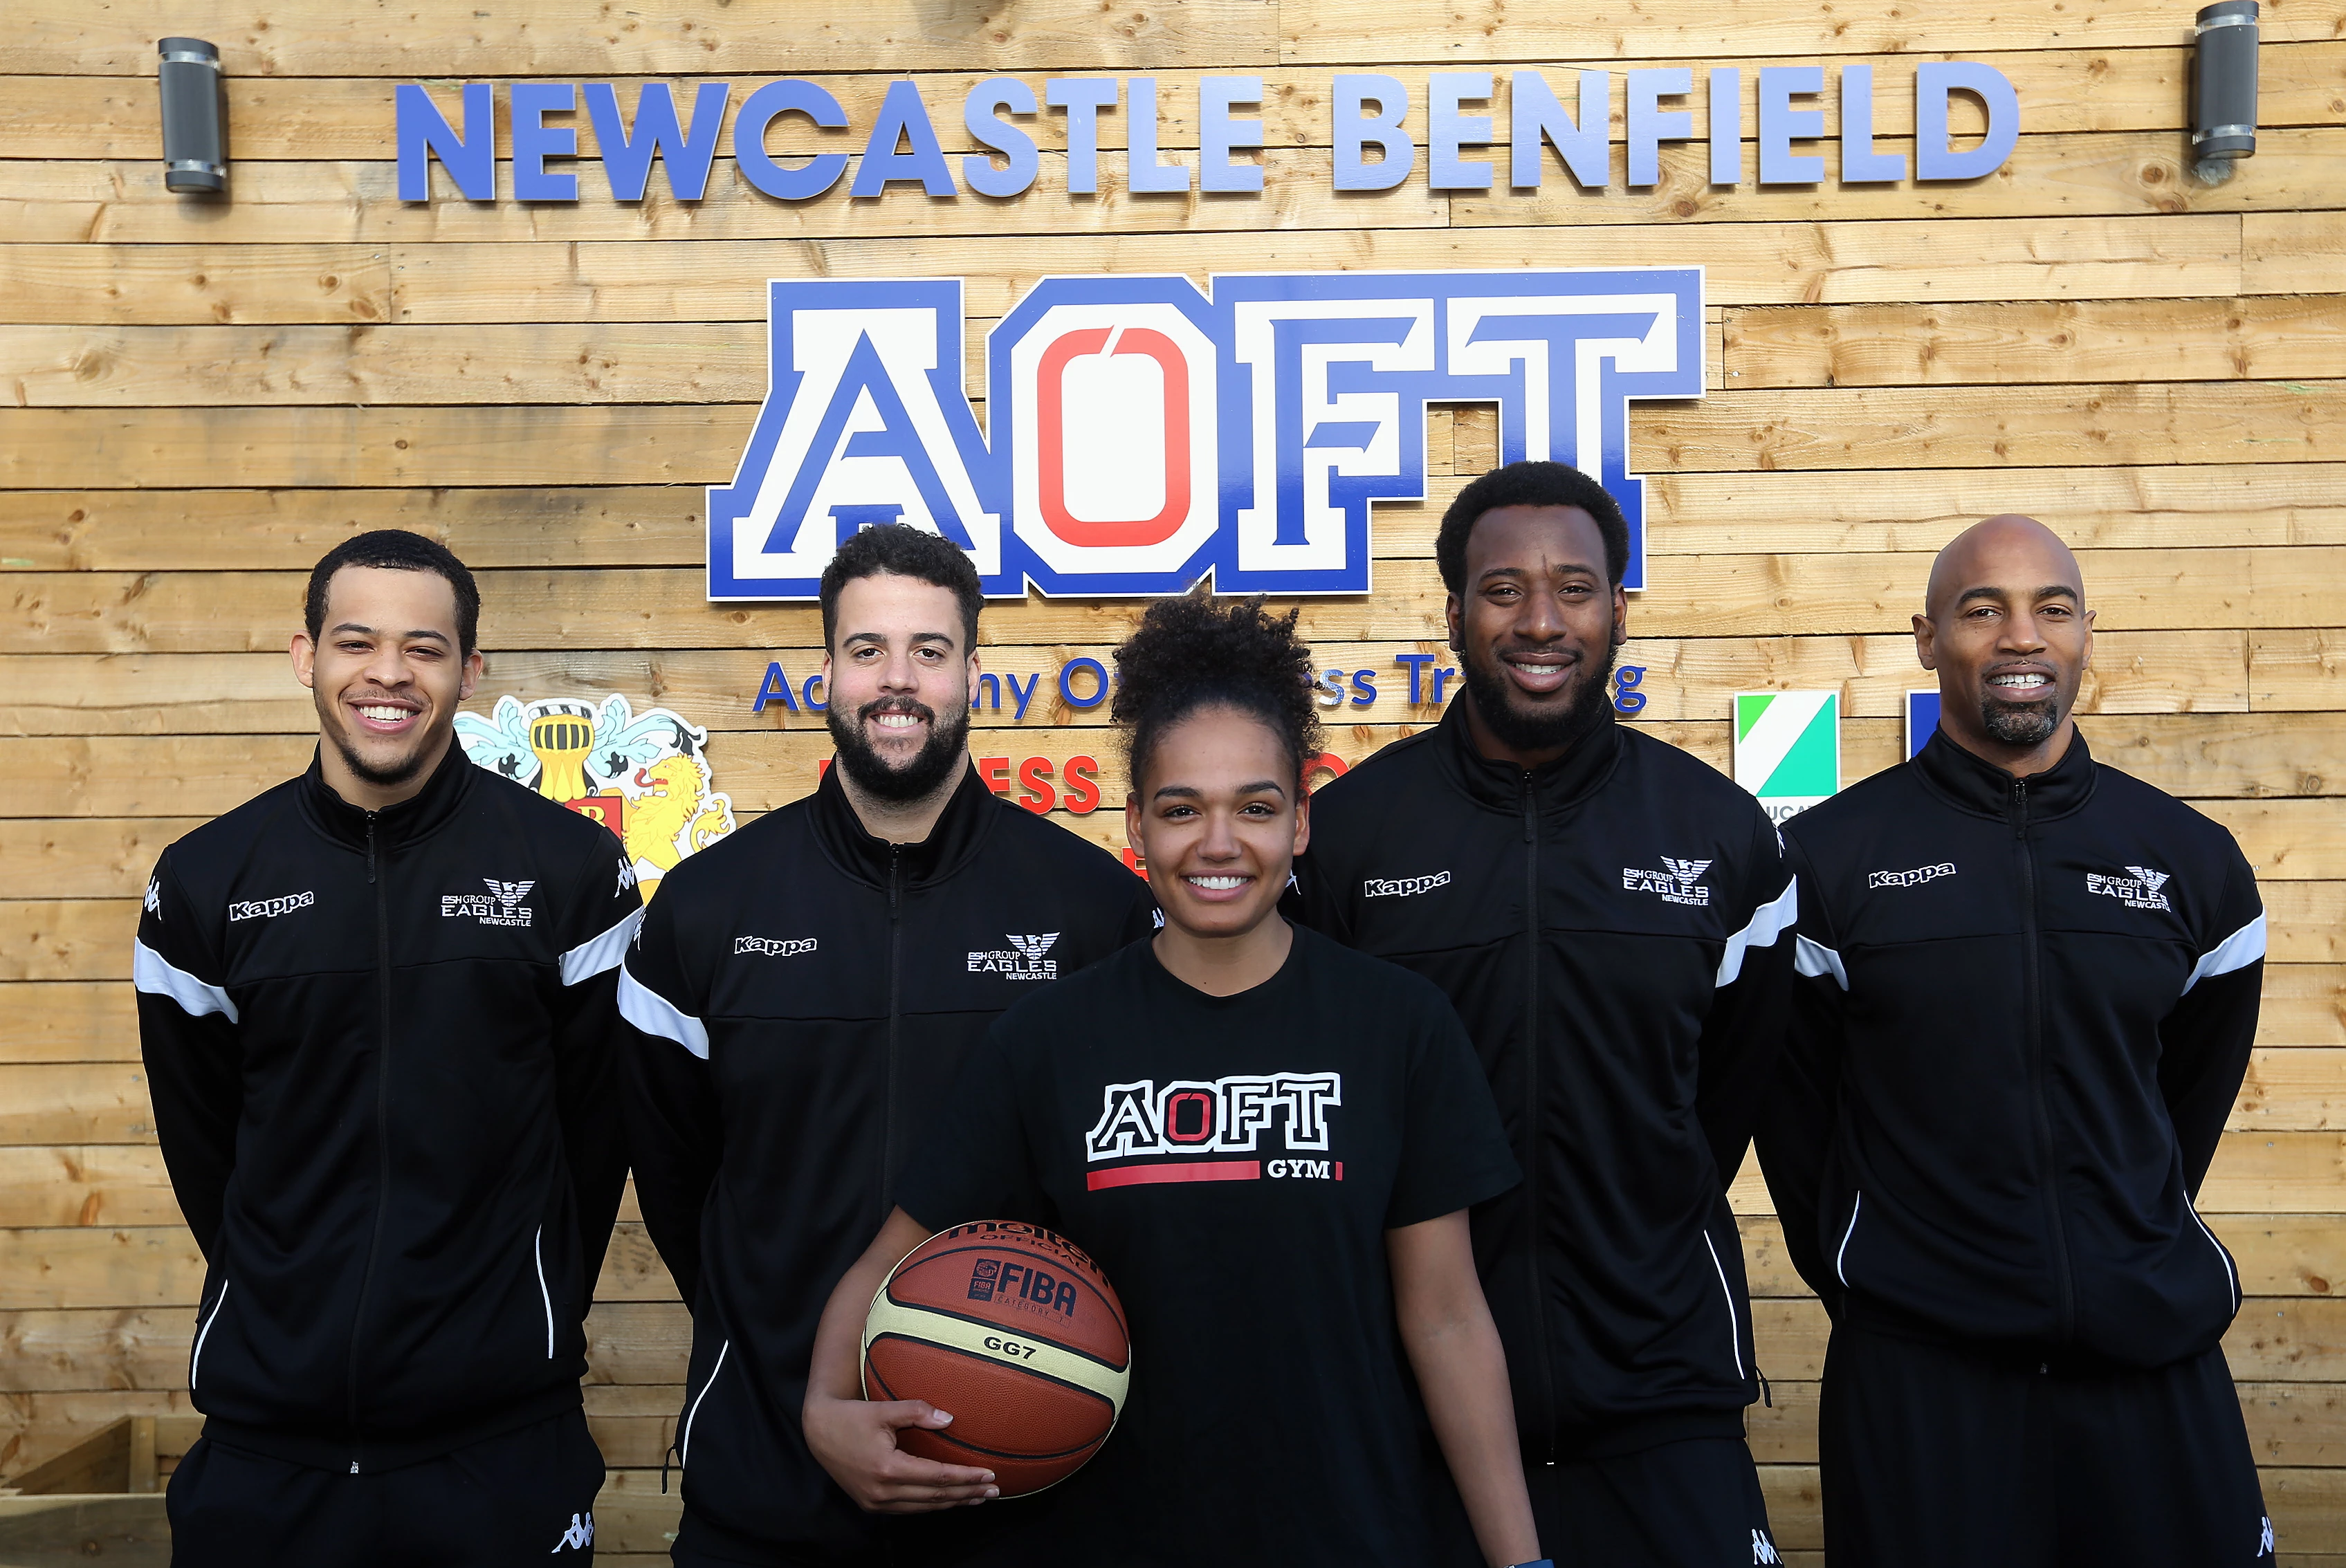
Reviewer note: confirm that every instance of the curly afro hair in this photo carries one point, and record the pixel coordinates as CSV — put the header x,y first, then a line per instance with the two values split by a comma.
x,y
1195,652
1529,483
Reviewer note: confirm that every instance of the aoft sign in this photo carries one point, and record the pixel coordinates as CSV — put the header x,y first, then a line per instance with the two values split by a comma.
x,y
1140,433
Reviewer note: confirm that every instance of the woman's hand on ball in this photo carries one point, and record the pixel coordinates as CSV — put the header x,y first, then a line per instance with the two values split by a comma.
x,y
855,1440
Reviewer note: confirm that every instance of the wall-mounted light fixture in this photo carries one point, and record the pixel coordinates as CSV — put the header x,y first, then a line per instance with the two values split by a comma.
x,y
195,119
2224,89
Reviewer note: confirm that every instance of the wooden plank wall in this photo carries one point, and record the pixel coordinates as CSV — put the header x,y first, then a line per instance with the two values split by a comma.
x,y
197,398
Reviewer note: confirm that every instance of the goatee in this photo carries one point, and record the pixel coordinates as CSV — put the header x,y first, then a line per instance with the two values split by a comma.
x,y
2021,723
381,775
939,757
1538,729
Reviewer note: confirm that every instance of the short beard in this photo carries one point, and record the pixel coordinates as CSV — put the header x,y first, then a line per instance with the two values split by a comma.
x,y
1538,731
2020,723
938,758
382,777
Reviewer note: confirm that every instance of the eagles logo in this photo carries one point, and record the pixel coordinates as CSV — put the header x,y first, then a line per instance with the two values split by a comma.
x,y
645,776
1678,882
1687,874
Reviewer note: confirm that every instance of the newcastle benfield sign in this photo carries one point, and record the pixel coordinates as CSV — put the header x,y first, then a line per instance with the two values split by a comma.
x,y
1139,432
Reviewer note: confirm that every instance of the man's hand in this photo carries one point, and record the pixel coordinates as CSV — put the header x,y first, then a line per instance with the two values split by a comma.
x,y
855,1440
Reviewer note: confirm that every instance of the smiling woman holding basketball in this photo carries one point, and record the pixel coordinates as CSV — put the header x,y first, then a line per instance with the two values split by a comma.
x,y
1269,1144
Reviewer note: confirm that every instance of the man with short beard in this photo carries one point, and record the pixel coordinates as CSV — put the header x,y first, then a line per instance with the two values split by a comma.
x,y
1603,911
2029,990
375,1005
801,995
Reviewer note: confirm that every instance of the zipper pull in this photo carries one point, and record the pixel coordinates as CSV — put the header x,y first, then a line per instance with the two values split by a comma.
x,y
1767,1395
895,863
369,816
1530,817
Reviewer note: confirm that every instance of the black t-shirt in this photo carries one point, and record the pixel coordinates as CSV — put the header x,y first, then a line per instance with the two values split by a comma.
x,y
1233,1163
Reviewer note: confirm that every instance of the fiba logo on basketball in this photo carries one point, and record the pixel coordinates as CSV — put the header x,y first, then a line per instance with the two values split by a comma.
x,y
1020,1281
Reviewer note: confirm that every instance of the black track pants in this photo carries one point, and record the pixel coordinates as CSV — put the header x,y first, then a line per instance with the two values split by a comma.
x,y
1935,1456
1693,1503
527,1496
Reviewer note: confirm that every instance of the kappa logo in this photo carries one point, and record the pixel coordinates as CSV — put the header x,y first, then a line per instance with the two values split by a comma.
x,y
1679,883
263,908
155,897
579,1536
1913,878
1402,887
1142,433
1225,1116
1023,960
2137,892
626,879
2265,1542
501,905
771,947
1762,1549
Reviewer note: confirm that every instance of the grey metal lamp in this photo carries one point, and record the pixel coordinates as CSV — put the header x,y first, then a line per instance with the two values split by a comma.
x,y
195,118
2224,89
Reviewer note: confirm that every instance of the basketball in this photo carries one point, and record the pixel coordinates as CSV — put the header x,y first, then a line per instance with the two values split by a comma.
x,y
1015,1331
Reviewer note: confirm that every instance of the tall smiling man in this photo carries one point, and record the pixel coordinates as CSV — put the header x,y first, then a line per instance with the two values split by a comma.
x,y
375,1006
1603,911
802,993
2028,988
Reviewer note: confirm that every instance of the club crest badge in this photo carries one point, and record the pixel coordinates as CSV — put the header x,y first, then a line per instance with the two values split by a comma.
x,y
645,776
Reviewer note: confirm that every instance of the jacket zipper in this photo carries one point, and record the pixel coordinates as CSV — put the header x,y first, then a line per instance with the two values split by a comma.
x,y
888,1110
381,1124
2032,967
1532,1117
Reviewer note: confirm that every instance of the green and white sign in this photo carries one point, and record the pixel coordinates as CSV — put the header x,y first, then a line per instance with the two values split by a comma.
x,y
1788,748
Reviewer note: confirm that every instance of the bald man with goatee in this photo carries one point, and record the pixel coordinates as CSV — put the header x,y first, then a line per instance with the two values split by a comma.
x,y
2028,987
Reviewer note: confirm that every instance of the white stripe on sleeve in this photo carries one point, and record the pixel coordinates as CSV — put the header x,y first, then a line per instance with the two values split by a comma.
x,y
154,975
595,954
653,1013
1769,921
2238,950
1814,958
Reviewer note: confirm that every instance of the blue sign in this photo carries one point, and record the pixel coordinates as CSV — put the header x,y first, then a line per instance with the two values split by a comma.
x,y
1922,719
1141,432
900,143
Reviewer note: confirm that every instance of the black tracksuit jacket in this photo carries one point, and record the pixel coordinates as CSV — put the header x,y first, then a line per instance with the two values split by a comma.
x,y
1608,929
381,1047
2026,1006
800,998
